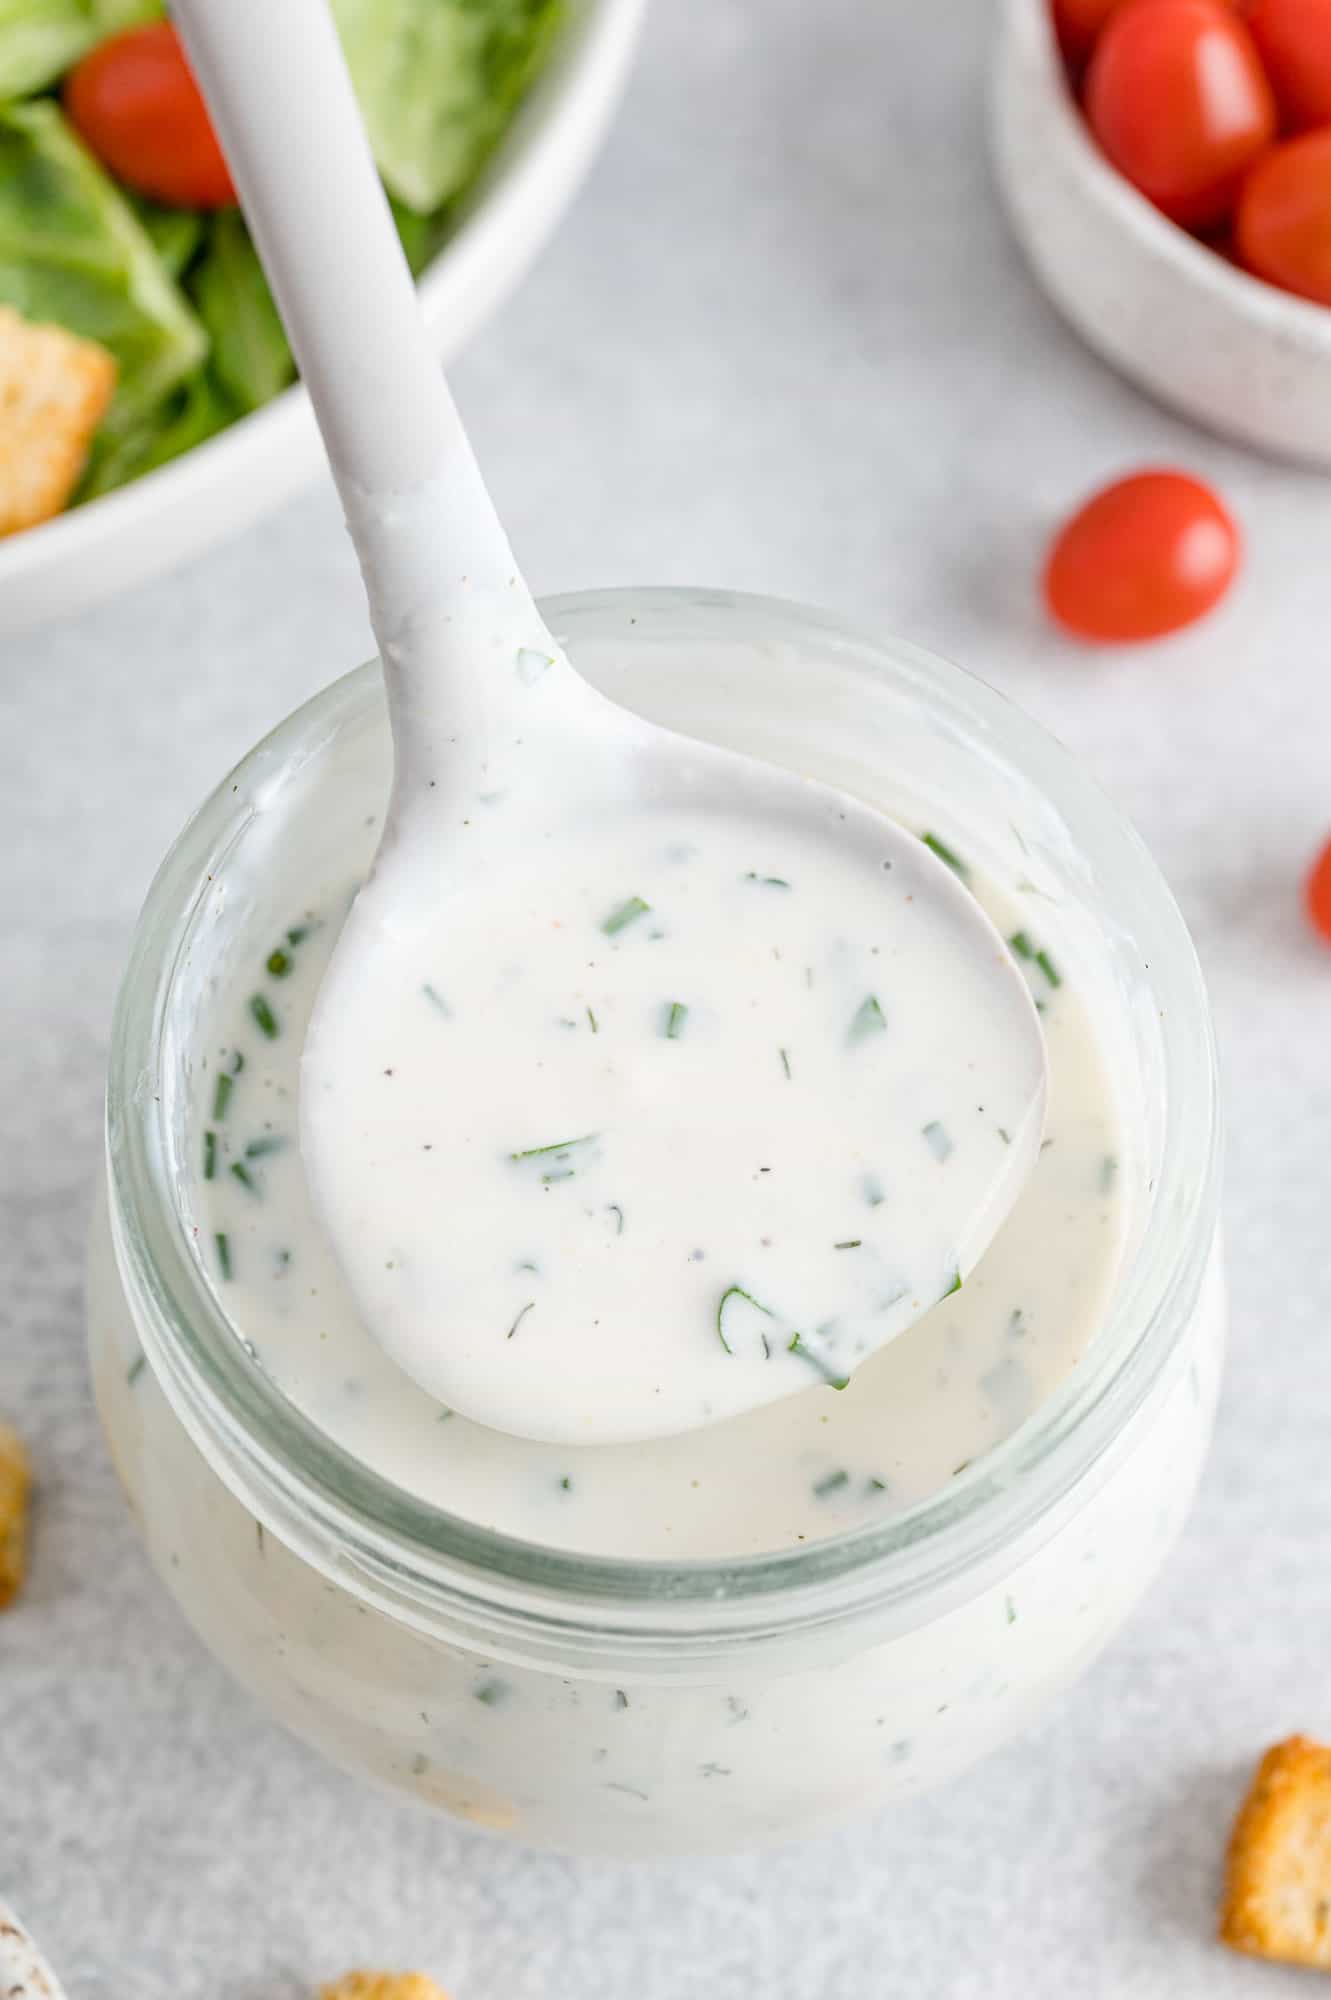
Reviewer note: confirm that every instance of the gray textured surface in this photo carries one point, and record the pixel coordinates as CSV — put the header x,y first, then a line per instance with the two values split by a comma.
x,y
783,344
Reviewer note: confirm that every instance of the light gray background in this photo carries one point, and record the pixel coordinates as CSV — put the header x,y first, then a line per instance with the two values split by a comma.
x,y
783,343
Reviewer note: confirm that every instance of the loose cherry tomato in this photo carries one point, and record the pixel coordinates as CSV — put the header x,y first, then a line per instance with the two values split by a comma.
x,y
1143,557
1283,226
1177,98
1317,893
135,103
1293,39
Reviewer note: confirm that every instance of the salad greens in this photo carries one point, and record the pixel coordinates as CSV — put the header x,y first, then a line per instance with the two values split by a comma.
x,y
177,295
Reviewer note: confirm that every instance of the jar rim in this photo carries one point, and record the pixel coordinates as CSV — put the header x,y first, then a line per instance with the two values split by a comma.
x,y
420,1555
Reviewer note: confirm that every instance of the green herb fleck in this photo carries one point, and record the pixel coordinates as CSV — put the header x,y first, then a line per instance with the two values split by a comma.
x,y
591,1020
242,1173
1020,944
136,1368
675,1016
210,1151
851,1243
518,1321
566,1484
1048,968
531,665
556,1146
737,1292
1011,1611
936,1138
869,1019
945,854
873,1191
955,1286
437,1000
270,1142
878,1486
1108,1173
621,1699
265,1020
1005,1136
279,963
298,934
492,1692
767,881
222,1245
831,1484
626,914
614,1209
259,1538
785,1063
221,1095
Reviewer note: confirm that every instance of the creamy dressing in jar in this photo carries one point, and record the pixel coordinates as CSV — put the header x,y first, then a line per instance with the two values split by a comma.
x,y
823,1460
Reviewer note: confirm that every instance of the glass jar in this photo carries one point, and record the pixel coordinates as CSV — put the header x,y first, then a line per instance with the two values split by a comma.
x,y
647,1707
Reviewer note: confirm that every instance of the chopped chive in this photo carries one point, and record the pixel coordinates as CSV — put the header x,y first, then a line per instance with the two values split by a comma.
x,y
222,1245
259,1537
965,1466
563,1174
869,1019
556,1146
873,1191
221,1095
259,1149
242,1173
737,1292
298,934
878,1486
518,1321
767,881
437,1000
265,1020
591,1018
796,1346
852,1243
945,853
785,1063
210,1152
618,1214
1108,1173
1048,968
955,1286
630,1791
832,1484
1016,1326
531,665
566,1484
136,1368
1020,945
621,1699
282,1262
676,1015
936,1139
279,963
626,914
1011,1611
492,1692
1005,1136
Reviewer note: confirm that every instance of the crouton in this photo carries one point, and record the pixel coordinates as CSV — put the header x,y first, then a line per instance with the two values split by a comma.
x,y
384,1986
1278,1878
15,1480
54,389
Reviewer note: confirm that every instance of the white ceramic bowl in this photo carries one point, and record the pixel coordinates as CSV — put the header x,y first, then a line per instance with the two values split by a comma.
x,y
1223,348
158,521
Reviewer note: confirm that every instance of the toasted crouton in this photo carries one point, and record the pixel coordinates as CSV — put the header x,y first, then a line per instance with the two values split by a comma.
x,y
1278,1879
54,389
384,1986
15,1480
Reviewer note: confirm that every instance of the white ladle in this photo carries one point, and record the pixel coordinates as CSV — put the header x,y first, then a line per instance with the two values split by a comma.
x,y
440,1151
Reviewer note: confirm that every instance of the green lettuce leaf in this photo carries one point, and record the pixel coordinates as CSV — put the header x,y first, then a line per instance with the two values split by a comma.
x,y
437,82
175,233
190,414
73,251
250,353
40,39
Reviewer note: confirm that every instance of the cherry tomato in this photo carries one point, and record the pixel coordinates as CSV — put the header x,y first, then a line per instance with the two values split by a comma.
x,y
1317,893
136,105
1078,22
1179,101
1293,39
1283,226
1143,557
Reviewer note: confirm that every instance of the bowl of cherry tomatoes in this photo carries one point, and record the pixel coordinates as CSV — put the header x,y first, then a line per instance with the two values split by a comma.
x,y
1166,166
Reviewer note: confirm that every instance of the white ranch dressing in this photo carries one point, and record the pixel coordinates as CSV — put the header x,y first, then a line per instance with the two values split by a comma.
x,y
816,1463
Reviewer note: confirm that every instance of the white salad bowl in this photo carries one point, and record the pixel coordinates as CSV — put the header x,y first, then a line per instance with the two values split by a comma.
x,y
218,487
1221,347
